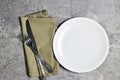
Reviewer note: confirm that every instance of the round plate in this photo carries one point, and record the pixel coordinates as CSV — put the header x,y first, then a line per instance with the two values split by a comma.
x,y
80,44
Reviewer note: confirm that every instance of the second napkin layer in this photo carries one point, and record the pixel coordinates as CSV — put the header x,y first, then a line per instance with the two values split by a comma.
x,y
43,28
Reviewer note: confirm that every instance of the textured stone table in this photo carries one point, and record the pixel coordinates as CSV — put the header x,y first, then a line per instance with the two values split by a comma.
x,y
106,12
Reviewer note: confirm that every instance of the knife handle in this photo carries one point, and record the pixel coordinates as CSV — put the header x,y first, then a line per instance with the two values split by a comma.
x,y
47,66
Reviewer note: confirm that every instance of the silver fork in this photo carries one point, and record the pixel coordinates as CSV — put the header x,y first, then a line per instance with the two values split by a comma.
x,y
28,42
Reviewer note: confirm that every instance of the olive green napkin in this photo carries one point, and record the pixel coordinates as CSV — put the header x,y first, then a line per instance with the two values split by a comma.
x,y
43,28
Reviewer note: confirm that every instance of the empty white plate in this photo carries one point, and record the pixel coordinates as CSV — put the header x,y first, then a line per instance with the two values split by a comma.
x,y
80,44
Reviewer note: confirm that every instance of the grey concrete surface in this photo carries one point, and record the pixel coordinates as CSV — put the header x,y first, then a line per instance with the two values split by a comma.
x,y
106,12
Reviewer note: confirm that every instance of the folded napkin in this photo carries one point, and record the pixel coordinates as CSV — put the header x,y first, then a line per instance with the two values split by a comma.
x,y
43,28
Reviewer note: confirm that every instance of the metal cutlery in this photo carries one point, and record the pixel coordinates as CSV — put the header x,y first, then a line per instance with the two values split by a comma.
x,y
34,48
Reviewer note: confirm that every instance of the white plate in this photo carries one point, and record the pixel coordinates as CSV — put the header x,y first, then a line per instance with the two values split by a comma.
x,y
80,44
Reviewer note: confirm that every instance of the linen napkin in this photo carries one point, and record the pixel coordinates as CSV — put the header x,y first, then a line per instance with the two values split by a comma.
x,y
43,28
